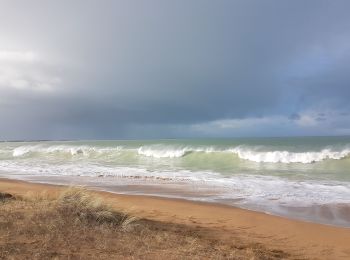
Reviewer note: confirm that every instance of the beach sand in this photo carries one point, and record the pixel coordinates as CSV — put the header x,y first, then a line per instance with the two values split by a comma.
x,y
303,239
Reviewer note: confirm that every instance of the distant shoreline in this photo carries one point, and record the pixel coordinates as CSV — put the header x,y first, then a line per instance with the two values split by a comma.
x,y
175,138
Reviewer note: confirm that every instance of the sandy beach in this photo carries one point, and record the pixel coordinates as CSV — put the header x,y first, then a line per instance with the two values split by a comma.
x,y
175,130
303,239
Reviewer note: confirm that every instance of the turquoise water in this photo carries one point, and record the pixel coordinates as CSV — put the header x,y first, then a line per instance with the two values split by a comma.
x,y
266,174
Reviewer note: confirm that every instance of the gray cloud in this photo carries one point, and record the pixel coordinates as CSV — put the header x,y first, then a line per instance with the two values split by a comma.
x,y
116,69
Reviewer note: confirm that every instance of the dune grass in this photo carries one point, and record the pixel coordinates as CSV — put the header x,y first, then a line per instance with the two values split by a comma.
x,y
79,205
77,224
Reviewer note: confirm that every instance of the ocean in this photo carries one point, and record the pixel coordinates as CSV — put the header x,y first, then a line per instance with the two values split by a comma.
x,y
306,178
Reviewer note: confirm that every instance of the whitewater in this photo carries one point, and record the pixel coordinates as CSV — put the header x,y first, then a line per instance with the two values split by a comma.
x,y
302,177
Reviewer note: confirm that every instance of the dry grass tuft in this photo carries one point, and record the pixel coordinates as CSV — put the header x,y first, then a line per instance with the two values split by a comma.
x,y
78,204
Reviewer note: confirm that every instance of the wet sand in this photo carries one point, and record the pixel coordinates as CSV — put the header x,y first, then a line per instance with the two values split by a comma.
x,y
306,240
336,214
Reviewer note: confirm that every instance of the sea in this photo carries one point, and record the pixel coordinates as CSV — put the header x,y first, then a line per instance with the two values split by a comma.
x,y
304,178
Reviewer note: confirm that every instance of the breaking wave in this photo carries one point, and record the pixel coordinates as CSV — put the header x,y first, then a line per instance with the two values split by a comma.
x,y
161,151
254,154
64,149
290,157
250,154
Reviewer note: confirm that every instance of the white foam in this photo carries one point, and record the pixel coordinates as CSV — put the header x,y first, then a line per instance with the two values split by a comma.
x,y
251,189
289,157
22,150
162,151
65,149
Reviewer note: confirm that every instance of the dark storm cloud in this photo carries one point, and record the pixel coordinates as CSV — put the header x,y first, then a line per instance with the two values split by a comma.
x,y
111,69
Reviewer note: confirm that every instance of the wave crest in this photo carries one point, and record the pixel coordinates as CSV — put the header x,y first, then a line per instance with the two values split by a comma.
x,y
65,149
161,151
289,157
250,153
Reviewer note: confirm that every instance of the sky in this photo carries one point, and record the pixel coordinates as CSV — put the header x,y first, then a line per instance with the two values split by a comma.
x,y
132,69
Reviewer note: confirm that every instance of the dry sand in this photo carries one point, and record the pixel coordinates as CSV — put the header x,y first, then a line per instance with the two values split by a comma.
x,y
307,240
